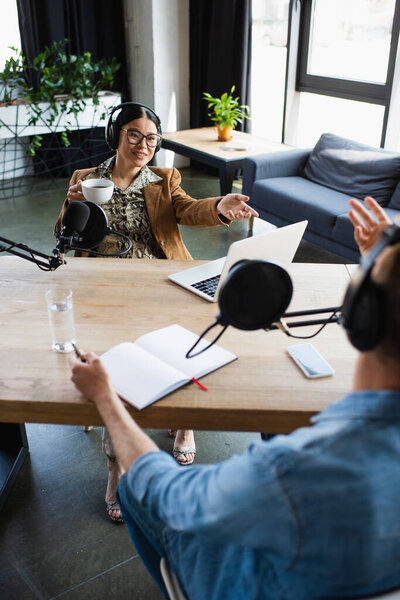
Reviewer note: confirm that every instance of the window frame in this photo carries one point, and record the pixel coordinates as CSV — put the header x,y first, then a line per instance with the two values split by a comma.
x,y
348,89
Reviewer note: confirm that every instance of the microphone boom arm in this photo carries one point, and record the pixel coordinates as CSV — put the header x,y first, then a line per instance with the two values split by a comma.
x,y
303,313
312,311
27,253
284,326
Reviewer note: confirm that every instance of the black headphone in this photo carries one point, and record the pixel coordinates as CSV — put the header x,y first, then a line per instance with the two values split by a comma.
x,y
256,294
364,306
112,128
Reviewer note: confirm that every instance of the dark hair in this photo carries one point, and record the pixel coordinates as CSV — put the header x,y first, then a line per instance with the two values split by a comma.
x,y
387,276
130,113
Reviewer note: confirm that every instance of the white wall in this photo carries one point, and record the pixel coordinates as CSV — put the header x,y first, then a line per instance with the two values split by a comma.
x,y
157,33
139,50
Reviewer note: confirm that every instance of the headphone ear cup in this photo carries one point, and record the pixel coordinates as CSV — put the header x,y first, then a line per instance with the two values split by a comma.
x,y
159,131
365,316
112,134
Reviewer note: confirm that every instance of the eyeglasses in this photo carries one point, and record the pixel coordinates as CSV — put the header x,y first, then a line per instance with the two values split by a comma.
x,y
135,137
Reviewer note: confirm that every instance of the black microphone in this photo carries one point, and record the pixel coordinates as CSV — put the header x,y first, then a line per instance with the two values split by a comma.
x,y
255,295
85,225
74,221
95,229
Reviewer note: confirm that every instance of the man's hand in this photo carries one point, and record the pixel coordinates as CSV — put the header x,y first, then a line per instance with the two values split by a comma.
x,y
75,191
368,224
233,206
90,378
93,381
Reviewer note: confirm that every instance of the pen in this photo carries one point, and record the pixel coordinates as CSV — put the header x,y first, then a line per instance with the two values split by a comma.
x,y
78,353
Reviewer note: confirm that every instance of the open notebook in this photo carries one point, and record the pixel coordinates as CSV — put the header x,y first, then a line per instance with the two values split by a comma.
x,y
155,364
278,245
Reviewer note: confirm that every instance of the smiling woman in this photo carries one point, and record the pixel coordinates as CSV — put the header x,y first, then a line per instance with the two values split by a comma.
x,y
147,205
148,202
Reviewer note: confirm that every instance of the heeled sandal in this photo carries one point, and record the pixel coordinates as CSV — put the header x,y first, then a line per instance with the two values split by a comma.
x,y
181,451
114,505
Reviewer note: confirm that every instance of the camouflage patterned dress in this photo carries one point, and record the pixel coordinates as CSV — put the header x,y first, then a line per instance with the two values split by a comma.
x,y
126,212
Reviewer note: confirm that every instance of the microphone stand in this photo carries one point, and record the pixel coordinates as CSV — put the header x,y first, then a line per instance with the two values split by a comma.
x,y
67,243
45,262
284,326
281,325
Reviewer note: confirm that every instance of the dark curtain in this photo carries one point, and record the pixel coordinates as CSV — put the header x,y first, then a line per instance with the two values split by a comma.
x,y
95,26
220,54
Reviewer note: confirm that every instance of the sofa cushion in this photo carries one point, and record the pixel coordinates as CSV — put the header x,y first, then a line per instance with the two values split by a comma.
x,y
353,168
395,199
343,230
297,198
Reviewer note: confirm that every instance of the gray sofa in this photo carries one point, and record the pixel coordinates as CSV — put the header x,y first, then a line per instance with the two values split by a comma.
x,y
317,184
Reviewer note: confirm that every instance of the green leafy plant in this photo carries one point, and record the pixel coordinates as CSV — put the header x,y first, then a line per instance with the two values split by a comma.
x,y
35,143
227,111
61,80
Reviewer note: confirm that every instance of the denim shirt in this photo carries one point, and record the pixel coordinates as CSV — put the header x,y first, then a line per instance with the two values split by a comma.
x,y
313,514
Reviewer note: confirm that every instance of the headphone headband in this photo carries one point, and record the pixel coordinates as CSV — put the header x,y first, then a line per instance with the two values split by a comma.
x,y
112,128
138,104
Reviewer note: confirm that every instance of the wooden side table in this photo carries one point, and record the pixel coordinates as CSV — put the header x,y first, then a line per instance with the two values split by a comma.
x,y
202,145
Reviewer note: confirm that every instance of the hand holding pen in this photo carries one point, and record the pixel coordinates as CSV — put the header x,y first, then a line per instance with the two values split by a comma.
x,y
89,375
78,353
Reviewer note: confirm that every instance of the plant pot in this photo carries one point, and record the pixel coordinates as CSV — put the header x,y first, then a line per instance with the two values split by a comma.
x,y
225,134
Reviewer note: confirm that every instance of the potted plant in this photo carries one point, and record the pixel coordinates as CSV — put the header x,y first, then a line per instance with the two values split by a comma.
x,y
54,84
227,112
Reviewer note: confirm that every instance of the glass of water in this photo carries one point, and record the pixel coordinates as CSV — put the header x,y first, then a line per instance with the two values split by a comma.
x,y
61,319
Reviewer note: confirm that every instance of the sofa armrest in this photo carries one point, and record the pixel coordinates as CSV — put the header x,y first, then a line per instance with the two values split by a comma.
x,y
277,164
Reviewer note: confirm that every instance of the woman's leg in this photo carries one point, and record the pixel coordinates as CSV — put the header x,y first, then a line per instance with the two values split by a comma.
x,y
115,471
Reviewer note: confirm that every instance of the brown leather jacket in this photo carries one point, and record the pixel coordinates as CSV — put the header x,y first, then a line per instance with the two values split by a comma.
x,y
167,205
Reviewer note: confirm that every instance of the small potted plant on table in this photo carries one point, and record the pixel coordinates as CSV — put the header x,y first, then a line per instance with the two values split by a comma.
x,y
227,112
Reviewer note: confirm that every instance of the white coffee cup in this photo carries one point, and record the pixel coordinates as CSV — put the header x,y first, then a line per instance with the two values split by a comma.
x,y
97,190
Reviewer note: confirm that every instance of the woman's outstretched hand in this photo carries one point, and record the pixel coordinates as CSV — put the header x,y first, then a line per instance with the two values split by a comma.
x,y
368,224
234,206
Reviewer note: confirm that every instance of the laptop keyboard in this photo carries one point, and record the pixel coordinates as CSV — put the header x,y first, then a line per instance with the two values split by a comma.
x,y
207,286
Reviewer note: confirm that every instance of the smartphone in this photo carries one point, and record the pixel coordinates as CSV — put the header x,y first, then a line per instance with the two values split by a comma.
x,y
309,360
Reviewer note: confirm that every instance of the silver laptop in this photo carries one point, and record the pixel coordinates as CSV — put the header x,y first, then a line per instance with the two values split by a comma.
x,y
278,246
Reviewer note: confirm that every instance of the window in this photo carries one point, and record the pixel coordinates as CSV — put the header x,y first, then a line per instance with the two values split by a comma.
x,y
9,30
361,121
351,40
268,68
347,50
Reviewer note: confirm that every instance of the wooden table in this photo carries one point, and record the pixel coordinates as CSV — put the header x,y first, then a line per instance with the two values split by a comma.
x,y
118,300
202,145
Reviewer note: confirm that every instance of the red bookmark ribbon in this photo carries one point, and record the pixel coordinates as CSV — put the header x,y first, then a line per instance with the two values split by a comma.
x,y
203,387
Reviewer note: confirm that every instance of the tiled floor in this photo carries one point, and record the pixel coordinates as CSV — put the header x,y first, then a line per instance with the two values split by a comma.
x,y
55,538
